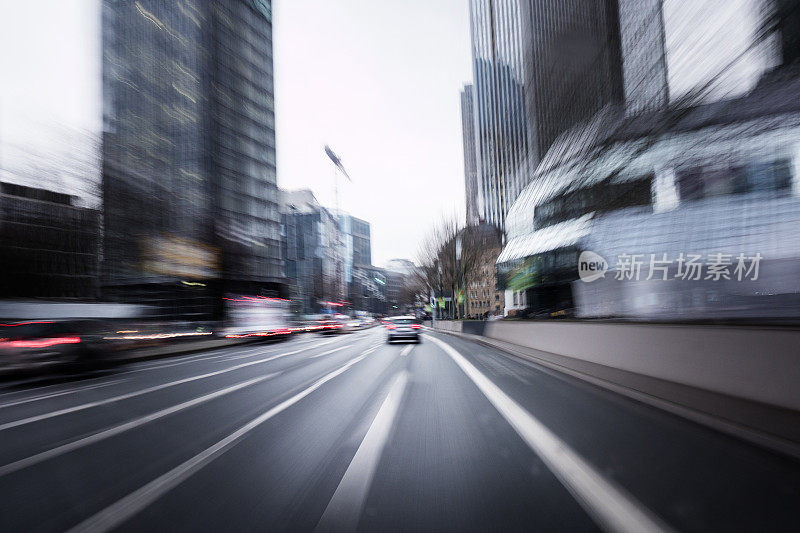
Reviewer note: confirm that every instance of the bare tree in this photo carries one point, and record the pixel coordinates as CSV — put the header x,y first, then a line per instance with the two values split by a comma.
x,y
437,256
413,290
452,256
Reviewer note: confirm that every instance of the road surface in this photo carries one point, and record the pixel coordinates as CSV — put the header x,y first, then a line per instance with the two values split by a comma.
x,y
348,433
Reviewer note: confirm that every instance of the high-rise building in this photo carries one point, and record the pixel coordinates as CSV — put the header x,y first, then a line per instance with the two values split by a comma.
x,y
653,180
572,66
243,143
670,56
356,246
501,128
355,233
189,181
310,250
368,289
470,163
644,54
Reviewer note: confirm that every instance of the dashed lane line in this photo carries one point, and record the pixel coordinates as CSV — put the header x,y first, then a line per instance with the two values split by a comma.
x,y
89,405
126,426
127,507
347,503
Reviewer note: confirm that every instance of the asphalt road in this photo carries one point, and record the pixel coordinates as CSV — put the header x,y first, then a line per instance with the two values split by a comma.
x,y
348,433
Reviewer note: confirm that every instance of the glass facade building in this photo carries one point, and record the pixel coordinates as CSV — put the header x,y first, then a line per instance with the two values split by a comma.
x,y
243,141
572,65
470,162
644,54
310,250
189,181
500,123
362,243
701,160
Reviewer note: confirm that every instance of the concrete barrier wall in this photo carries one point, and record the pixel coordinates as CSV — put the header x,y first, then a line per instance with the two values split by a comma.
x,y
759,364
447,325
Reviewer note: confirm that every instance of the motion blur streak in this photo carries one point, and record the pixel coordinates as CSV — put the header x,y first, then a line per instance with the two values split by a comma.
x,y
116,430
470,437
344,509
37,418
600,323
122,510
612,507
41,343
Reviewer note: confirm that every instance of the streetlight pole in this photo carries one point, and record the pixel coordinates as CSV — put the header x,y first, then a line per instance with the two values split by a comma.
x,y
441,289
459,278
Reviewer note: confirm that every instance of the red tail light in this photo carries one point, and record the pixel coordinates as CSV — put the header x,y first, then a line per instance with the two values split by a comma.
x,y
42,343
391,326
416,326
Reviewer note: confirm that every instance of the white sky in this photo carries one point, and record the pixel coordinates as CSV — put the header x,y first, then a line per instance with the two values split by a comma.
x,y
50,65
50,98
378,80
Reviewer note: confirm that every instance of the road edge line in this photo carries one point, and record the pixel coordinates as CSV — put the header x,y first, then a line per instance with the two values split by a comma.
x,y
611,506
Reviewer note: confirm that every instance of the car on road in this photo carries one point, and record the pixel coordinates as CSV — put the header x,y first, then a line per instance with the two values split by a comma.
x,y
32,344
329,325
403,328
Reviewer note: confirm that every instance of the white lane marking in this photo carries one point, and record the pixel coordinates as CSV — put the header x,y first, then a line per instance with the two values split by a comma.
x,y
39,389
213,355
121,428
610,505
142,366
371,349
61,393
344,509
128,506
343,347
220,351
405,351
45,416
333,350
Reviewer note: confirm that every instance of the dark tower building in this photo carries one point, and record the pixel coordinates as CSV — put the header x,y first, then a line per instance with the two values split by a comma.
x,y
573,64
189,182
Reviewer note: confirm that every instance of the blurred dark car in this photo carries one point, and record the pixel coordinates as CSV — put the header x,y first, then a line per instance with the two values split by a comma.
x,y
330,325
51,343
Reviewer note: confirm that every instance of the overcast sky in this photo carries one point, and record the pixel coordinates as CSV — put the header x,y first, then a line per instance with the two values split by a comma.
x,y
49,64
379,81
